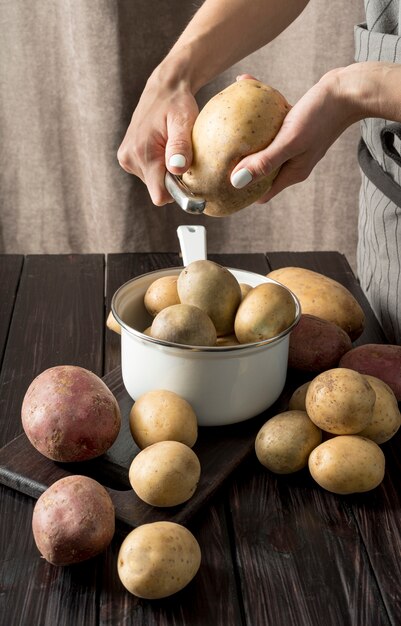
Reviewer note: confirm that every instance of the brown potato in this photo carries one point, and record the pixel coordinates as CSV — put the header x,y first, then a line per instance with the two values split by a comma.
x,y
165,473
242,119
184,324
297,400
69,414
162,415
73,520
245,289
380,360
265,312
347,464
227,340
386,418
340,401
161,294
212,288
323,297
158,559
284,442
316,344
112,323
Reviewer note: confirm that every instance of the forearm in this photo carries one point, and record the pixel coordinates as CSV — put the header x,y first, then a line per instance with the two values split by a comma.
x,y
371,89
223,32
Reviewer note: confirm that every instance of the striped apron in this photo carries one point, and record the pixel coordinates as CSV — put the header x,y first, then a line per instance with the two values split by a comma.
x,y
379,153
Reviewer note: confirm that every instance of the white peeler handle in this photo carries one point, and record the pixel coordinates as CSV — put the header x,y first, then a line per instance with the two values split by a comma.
x,y
192,243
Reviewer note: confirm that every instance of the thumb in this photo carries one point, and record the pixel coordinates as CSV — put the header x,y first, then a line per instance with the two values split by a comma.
x,y
259,164
179,143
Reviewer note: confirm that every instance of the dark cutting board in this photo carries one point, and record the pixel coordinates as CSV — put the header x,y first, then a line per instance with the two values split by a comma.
x,y
219,449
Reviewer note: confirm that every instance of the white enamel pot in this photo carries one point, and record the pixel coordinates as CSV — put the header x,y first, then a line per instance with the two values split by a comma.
x,y
224,385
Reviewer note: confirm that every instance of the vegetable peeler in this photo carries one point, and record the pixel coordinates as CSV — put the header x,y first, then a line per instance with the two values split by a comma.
x,y
188,201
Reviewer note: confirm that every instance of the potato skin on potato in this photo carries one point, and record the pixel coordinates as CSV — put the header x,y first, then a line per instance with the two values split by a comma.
x,y
185,324
69,414
73,520
265,312
158,559
347,464
340,401
160,294
240,120
386,418
162,415
284,442
380,360
212,288
323,297
316,344
165,473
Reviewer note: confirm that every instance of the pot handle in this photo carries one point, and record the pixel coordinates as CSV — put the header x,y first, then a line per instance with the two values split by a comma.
x,y
192,243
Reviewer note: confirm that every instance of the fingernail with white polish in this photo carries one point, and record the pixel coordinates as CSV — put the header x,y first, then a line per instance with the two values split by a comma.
x,y
177,160
241,178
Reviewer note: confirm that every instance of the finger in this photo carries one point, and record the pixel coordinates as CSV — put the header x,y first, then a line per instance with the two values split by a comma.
x,y
245,77
179,144
154,180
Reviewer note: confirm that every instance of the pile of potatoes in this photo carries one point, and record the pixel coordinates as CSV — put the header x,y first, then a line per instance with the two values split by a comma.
x,y
206,306
334,425
69,415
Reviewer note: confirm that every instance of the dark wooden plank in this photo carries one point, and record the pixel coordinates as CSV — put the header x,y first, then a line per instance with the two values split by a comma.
x,y
300,544
58,318
10,270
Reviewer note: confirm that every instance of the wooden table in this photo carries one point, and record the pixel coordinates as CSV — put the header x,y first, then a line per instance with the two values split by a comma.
x,y
277,550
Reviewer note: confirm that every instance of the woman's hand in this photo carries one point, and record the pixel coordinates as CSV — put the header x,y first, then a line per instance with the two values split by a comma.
x,y
159,135
309,129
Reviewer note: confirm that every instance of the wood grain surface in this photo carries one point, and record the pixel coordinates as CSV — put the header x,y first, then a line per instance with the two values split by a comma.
x,y
275,550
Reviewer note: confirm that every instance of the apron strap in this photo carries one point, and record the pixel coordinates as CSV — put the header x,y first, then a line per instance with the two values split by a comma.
x,y
377,176
387,135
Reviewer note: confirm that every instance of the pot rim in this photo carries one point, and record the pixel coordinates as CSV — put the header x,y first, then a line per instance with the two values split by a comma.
x,y
218,349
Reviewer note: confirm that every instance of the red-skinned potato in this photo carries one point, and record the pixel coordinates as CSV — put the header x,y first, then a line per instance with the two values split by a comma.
x,y
69,414
316,344
73,520
380,360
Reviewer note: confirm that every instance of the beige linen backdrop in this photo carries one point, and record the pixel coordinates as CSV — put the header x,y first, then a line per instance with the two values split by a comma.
x,y
71,72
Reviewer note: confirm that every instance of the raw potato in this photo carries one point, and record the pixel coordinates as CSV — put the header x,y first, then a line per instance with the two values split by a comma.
x,y
316,344
227,340
347,464
240,120
340,401
161,294
245,289
284,442
213,289
380,360
265,312
297,400
323,297
162,415
69,414
165,473
386,418
112,323
185,324
73,520
156,560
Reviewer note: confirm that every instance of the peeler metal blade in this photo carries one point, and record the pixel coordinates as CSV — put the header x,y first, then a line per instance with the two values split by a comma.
x,y
188,201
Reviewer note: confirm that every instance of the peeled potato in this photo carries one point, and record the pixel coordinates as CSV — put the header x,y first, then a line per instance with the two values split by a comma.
x,y
242,119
